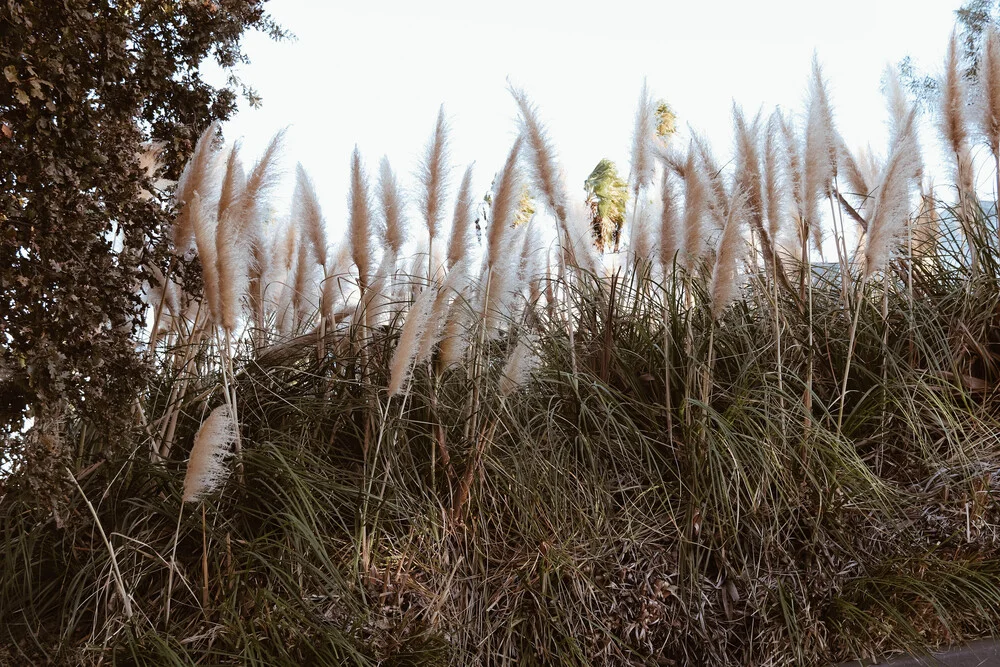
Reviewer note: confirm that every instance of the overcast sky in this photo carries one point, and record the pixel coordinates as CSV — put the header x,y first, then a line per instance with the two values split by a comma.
x,y
375,73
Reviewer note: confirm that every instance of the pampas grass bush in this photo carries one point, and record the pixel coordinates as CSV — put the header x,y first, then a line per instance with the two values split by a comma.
x,y
712,452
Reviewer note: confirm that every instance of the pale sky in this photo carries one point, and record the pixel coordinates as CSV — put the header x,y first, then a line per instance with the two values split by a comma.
x,y
375,73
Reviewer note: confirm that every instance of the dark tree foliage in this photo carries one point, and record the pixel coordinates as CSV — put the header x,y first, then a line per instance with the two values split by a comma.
x,y
86,83
972,19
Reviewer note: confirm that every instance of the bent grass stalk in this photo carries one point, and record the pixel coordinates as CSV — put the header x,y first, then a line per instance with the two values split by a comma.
x,y
119,582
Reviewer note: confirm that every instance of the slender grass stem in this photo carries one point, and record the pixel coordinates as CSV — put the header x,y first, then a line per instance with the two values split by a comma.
x,y
119,582
173,564
851,339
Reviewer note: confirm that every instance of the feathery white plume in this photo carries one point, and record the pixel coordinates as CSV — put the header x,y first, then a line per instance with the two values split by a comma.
x,y
360,220
409,339
953,100
774,199
204,234
206,469
695,195
506,194
820,161
433,175
989,77
729,251
891,208
670,227
307,211
643,141
455,339
458,244
520,363
541,156
392,202
238,217
198,176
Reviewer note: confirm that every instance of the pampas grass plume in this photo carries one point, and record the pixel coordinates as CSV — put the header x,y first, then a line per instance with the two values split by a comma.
x,y
197,176
774,200
433,176
717,198
694,210
261,180
455,338
409,339
727,255
854,175
820,162
749,179
891,207
458,243
233,181
309,214
541,154
332,291
953,100
642,243
305,274
230,249
453,284
206,469
378,298
670,232
393,203
794,173
204,235
232,260
517,370
989,117
643,137
896,103
501,282
506,195
581,241
360,220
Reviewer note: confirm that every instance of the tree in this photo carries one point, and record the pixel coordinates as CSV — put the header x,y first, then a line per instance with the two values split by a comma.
x,y
86,85
666,121
607,196
973,18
